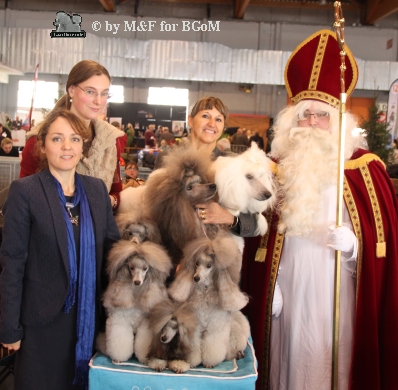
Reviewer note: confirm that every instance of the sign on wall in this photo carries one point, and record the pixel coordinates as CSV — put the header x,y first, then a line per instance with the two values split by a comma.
x,y
392,111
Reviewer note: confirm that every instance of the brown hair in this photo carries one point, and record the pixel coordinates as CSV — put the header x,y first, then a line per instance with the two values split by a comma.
x,y
82,71
75,122
208,103
6,141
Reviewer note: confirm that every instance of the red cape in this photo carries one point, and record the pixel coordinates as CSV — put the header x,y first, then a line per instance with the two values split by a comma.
x,y
374,364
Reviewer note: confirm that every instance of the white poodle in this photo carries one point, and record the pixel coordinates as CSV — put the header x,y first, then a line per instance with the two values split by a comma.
x,y
245,183
137,273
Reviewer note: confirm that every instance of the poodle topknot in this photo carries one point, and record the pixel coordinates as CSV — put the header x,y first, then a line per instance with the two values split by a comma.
x,y
137,228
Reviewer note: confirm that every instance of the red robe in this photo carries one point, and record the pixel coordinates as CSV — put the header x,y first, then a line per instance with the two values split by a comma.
x,y
372,204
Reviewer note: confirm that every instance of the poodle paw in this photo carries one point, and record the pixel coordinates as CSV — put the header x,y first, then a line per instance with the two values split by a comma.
x,y
115,361
179,366
239,355
207,366
157,364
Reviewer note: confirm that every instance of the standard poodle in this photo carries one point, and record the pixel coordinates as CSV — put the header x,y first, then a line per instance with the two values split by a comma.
x,y
171,194
137,274
245,184
208,278
169,337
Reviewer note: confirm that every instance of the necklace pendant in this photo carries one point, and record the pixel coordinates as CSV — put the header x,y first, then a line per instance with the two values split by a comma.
x,y
75,220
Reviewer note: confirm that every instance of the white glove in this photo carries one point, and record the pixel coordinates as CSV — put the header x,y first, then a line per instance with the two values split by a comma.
x,y
277,302
342,239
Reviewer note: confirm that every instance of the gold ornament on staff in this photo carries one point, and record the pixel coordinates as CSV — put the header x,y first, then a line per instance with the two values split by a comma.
x,y
339,29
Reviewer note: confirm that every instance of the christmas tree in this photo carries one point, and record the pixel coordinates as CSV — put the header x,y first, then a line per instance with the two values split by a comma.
x,y
377,135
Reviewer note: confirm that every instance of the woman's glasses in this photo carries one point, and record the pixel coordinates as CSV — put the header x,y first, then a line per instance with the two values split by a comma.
x,y
94,94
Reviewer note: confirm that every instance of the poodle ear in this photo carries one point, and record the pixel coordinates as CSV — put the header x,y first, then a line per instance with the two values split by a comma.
x,y
187,320
123,274
157,258
185,340
125,235
117,257
153,232
232,299
228,256
192,251
181,289
254,147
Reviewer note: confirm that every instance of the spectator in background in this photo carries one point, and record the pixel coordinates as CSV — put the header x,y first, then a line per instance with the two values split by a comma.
x,y
130,135
158,133
270,135
116,124
7,150
4,132
240,138
163,146
257,139
224,146
150,137
17,123
131,178
248,134
167,136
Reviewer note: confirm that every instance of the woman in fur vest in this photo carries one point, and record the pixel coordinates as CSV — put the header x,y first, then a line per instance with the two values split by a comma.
x,y
87,92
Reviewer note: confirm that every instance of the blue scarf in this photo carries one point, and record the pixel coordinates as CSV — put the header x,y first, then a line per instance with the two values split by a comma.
x,y
85,282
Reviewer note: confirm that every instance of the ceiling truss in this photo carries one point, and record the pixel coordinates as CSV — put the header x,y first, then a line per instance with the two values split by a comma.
x,y
371,11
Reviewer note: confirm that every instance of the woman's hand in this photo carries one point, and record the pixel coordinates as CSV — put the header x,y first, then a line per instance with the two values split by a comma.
x,y
212,212
13,346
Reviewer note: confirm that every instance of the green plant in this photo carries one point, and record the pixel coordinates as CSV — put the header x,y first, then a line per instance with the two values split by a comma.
x,y
378,136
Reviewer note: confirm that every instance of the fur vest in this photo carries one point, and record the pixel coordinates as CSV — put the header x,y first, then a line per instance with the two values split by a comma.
x,y
101,161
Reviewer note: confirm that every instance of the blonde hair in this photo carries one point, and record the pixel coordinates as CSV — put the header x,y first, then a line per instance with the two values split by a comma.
x,y
6,141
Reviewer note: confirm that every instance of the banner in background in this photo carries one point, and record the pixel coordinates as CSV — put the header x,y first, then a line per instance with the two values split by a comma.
x,y
392,110
26,125
18,137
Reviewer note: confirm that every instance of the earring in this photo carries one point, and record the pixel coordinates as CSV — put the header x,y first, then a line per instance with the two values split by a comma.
x,y
70,100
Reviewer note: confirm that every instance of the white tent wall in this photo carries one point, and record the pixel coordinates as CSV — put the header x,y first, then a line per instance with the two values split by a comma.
x,y
206,62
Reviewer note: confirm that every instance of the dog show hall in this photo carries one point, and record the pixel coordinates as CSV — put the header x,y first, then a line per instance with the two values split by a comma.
x,y
199,194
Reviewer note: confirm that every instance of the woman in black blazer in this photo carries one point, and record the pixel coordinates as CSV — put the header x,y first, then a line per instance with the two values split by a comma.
x,y
58,227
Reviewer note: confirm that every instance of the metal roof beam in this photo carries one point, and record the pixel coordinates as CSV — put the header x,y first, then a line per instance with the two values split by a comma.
x,y
109,5
379,9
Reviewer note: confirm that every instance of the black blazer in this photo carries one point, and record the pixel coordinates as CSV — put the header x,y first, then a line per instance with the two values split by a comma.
x,y
34,253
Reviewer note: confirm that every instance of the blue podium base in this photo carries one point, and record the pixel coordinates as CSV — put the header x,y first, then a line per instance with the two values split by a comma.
x,y
132,375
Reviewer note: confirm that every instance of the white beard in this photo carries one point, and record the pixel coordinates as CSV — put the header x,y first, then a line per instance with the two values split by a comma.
x,y
308,168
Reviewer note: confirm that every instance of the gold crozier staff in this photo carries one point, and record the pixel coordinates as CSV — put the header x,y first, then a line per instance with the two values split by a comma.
x,y
339,28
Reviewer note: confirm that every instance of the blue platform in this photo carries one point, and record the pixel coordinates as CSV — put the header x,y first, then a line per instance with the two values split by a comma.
x,y
131,375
